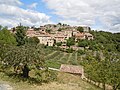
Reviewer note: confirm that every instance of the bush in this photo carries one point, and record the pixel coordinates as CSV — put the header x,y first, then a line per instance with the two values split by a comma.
x,y
81,52
46,75
70,42
33,40
59,44
83,43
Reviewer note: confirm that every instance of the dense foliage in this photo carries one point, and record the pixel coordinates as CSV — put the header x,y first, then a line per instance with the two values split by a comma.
x,y
83,43
80,29
20,35
103,70
105,40
6,36
32,40
70,42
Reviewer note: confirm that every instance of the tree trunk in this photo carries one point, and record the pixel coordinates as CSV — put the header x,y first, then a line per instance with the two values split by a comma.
x,y
98,84
104,86
25,71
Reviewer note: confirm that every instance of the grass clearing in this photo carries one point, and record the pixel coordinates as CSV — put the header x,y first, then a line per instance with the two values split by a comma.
x,y
65,82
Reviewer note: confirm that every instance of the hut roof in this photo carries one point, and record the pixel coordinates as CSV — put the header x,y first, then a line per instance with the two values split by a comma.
x,y
71,69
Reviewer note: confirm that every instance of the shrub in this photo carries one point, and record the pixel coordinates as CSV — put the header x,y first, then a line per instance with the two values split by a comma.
x,y
46,75
81,52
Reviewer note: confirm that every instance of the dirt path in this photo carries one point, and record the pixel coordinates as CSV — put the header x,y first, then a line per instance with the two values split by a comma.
x,y
76,57
5,87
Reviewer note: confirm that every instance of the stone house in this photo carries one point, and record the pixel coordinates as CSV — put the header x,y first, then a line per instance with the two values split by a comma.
x,y
42,30
59,38
68,33
46,39
82,36
89,36
73,69
30,32
74,32
79,36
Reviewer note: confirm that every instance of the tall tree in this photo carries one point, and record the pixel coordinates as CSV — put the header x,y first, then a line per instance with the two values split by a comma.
x,y
20,35
70,42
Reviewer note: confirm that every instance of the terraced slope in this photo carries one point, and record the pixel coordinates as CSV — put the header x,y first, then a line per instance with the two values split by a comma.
x,y
56,58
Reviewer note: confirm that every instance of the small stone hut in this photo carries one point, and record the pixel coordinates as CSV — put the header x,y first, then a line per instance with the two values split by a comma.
x,y
73,69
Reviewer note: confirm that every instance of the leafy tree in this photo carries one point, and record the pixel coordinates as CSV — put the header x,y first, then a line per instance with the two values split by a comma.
x,y
60,24
114,76
118,47
45,75
81,52
116,37
80,29
6,36
20,35
59,44
110,47
104,71
33,40
96,70
70,42
23,57
83,43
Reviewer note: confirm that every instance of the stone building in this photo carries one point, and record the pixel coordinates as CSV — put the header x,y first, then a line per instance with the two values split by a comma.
x,y
46,39
73,69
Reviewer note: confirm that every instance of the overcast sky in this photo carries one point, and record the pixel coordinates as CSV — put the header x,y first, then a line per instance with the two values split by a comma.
x,y
98,14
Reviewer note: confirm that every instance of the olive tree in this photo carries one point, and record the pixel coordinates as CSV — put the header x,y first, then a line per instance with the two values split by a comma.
x,y
23,57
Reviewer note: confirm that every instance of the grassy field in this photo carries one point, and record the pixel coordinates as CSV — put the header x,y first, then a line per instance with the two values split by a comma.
x,y
64,82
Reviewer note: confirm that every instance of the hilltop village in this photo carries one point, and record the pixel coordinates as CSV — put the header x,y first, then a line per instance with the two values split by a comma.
x,y
59,33
44,53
